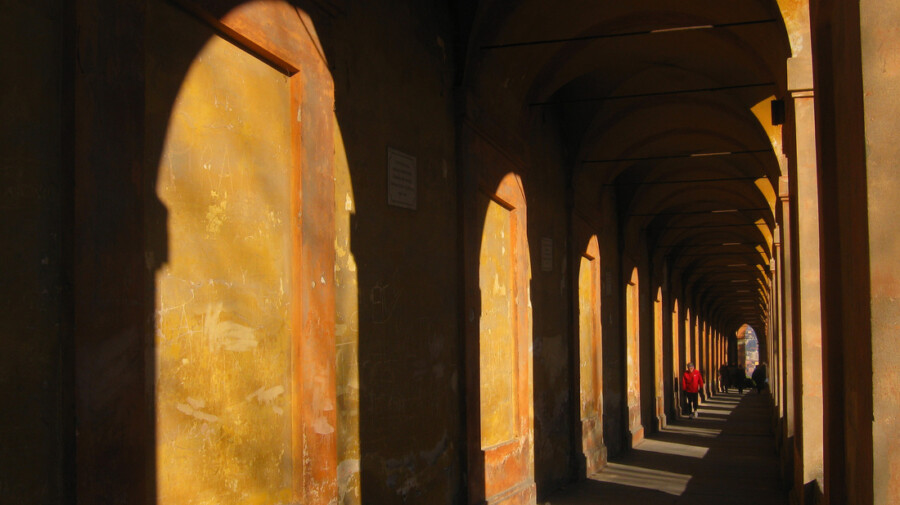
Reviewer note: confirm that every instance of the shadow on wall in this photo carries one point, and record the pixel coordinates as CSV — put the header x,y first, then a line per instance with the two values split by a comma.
x,y
403,311
205,124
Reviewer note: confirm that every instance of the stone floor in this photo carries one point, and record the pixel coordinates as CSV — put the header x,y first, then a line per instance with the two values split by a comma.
x,y
725,456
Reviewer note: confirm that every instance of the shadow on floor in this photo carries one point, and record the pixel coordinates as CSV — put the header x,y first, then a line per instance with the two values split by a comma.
x,y
725,456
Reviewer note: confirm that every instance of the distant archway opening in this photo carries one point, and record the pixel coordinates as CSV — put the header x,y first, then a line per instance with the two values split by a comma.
x,y
748,349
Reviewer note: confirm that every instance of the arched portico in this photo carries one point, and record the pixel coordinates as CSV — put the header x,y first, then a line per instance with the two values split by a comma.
x,y
278,251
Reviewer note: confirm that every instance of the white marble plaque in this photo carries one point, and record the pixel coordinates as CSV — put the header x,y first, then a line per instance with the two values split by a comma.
x,y
547,254
401,180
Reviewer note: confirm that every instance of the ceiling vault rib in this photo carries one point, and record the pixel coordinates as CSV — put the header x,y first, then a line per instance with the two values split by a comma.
x,y
529,43
711,270
719,211
703,226
732,253
682,156
705,245
686,181
657,93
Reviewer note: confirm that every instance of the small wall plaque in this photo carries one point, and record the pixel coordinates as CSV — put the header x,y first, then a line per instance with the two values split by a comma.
x,y
546,254
401,179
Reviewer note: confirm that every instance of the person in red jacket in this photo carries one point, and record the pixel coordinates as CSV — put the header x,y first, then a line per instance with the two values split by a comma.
x,y
691,382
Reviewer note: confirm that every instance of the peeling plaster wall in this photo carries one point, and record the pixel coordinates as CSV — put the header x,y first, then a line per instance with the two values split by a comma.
x,y
346,331
223,298
497,327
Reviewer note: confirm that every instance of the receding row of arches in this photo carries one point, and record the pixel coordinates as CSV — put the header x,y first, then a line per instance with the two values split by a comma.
x,y
656,339
329,251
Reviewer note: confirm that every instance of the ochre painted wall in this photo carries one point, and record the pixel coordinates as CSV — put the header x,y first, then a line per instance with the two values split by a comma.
x,y
590,357
633,369
223,298
588,338
497,356
346,330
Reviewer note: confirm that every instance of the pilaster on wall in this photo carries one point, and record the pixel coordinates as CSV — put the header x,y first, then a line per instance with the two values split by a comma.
x,y
679,314
807,337
667,352
776,351
706,362
785,336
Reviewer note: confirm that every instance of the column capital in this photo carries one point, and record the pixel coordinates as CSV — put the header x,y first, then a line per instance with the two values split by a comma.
x,y
800,76
784,191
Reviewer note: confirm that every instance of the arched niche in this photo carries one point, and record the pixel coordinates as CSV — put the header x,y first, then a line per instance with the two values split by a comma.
x,y
633,357
239,105
658,358
499,380
590,362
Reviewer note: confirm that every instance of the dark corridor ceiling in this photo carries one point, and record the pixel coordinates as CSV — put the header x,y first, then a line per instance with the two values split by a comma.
x,y
640,89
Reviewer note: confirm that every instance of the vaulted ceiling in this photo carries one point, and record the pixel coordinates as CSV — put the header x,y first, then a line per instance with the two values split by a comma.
x,y
667,103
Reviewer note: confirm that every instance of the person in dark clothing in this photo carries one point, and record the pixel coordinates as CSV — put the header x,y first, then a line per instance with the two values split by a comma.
x,y
760,378
739,378
691,382
724,378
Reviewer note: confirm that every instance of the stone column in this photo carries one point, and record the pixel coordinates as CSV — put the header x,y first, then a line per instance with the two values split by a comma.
x,y
681,328
880,55
710,367
708,361
775,365
719,353
714,360
699,360
695,340
785,336
807,337
668,352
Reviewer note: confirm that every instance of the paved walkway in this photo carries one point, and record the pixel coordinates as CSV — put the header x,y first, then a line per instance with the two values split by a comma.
x,y
726,456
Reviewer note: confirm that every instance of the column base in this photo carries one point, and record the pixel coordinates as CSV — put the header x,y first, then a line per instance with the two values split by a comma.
x,y
636,436
787,461
523,494
595,461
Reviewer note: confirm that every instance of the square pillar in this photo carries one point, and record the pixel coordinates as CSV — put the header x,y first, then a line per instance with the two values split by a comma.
x,y
807,337
857,52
